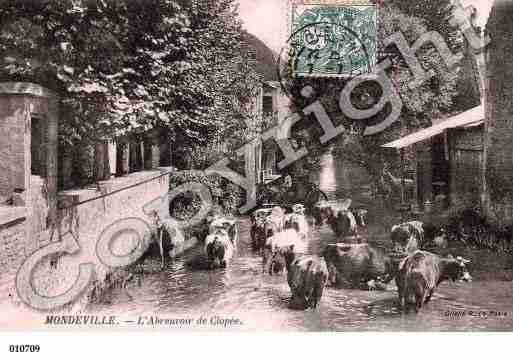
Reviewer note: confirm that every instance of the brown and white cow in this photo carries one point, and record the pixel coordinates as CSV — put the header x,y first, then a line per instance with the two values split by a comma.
x,y
277,247
307,277
422,272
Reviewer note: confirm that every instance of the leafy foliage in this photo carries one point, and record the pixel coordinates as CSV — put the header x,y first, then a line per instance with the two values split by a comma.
x,y
129,66
435,14
226,196
432,100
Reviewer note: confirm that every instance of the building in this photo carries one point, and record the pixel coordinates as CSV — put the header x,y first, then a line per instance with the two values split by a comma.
x,y
35,212
448,160
478,167
498,157
449,155
271,106
28,178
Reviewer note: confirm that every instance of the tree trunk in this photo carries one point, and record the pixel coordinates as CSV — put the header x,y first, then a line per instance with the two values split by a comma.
x,y
123,159
101,169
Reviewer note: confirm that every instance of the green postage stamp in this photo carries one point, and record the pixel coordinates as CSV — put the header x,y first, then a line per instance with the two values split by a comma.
x,y
333,40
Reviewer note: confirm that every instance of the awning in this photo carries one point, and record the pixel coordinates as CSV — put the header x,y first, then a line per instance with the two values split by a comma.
x,y
470,118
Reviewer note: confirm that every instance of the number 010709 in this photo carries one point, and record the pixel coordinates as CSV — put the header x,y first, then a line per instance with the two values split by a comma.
x,y
24,348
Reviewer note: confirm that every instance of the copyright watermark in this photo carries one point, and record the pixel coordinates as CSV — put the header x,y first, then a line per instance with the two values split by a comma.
x,y
141,228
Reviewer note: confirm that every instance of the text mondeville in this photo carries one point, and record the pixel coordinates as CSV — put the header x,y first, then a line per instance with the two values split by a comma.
x,y
80,320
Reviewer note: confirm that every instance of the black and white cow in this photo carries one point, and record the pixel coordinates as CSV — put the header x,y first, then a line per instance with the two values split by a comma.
x,y
221,242
307,277
297,220
258,230
344,222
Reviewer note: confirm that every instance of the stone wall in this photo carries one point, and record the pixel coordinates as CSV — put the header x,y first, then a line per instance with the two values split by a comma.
x,y
12,146
27,202
110,202
499,110
121,198
13,250
29,219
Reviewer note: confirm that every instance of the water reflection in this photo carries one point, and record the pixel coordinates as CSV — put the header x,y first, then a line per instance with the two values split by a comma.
x,y
242,291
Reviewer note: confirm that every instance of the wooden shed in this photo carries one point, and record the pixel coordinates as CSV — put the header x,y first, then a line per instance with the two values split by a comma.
x,y
449,159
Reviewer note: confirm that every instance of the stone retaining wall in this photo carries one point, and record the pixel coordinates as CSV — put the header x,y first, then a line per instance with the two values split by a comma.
x,y
109,203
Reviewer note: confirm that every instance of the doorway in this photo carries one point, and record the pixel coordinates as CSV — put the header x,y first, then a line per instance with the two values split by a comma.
x,y
440,166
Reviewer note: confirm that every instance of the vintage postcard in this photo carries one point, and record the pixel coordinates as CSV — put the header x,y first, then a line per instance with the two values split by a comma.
x,y
256,165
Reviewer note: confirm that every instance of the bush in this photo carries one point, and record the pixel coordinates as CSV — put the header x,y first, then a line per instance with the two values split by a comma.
x,y
472,228
226,196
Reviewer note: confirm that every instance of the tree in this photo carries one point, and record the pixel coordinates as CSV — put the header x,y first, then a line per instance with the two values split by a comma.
x,y
432,100
436,15
125,67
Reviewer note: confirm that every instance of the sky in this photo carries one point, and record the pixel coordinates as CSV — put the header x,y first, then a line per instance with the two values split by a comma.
x,y
267,19
483,9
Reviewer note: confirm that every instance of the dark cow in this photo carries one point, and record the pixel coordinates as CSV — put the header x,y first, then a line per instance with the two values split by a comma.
x,y
170,229
410,236
219,249
307,277
321,212
257,231
422,272
343,223
355,266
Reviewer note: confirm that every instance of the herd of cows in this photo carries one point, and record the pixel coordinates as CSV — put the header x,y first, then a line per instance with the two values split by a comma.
x,y
280,236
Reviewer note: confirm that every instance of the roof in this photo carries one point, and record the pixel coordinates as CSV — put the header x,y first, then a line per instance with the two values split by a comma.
x,y
470,118
265,58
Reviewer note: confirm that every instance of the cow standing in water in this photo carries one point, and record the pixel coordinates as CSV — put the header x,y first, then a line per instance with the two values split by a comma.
x,y
293,235
306,276
274,222
297,220
422,272
257,231
411,236
220,243
356,266
276,248
344,222
170,228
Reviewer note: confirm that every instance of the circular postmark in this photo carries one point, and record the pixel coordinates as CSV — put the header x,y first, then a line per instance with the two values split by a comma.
x,y
322,50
